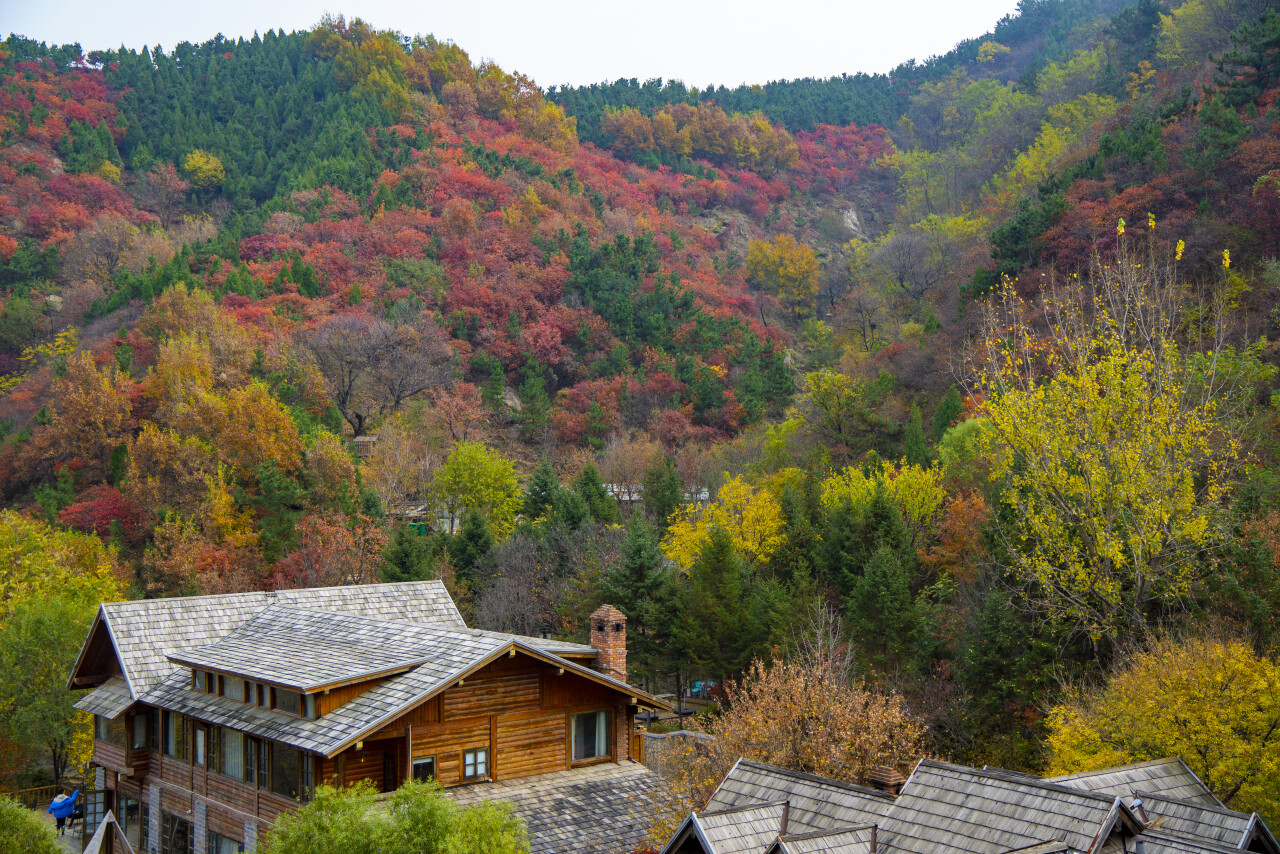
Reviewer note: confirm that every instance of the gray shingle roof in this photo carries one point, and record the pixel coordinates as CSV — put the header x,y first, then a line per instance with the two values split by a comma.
x,y
741,830
1194,820
1164,843
1169,777
444,654
817,803
950,808
599,809
109,699
145,631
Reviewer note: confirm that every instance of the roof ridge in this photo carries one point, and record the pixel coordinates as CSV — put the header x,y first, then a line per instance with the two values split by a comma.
x,y
1146,763
1016,777
825,781
818,834
754,806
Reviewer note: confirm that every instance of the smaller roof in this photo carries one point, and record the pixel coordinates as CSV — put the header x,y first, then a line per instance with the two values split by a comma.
x,y
604,807
817,803
849,840
1217,825
743,830
1169,777
110,699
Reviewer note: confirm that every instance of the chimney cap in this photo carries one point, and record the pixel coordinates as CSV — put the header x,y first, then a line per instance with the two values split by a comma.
x,y
609,614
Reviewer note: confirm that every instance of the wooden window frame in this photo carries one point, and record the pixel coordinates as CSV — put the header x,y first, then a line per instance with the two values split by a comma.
x,y
435,767
610,723
463,767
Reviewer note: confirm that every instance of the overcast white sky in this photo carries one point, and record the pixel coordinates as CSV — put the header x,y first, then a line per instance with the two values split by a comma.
x,y
566,41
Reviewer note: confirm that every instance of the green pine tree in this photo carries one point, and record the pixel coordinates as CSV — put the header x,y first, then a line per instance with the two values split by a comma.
x,y
407,556
469,545
541,493
662,492
915,449
948,412
639,587
589,486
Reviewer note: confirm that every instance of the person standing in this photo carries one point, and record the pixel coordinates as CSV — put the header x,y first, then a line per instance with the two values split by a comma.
x,y
62,807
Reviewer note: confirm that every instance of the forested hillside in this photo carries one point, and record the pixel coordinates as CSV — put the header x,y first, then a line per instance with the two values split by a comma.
x,y
972,355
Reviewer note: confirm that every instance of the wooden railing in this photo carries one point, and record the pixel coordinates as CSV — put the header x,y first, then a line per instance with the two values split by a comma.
x,y
36,798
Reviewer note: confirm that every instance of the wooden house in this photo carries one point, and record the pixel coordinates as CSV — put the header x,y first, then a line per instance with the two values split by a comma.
x,y
214,714
1158,807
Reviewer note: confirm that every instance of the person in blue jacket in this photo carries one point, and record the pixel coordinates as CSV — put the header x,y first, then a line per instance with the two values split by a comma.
x,y
62,807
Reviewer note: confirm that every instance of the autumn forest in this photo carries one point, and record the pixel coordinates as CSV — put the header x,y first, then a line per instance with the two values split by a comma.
x,y
970,365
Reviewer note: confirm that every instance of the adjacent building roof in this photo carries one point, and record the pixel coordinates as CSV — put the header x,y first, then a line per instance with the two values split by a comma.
x,y
739,830
1207,824
853,840
606,807
952,808
817,803
144,632
1169,777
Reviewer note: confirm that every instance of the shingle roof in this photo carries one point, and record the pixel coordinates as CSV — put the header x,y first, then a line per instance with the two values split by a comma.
x,y
444,654
1169,777
741,830
145,631
1193,820
109,699
853,840
950,808
817,803
599,809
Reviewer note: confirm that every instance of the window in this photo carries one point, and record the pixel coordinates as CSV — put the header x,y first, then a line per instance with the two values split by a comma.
x,y
236,689
590,736
287,701
231,763
285,771
176,835
424,770
264,764
199,751
140,726
203,680
219,844
308,777
175,735
475,763
110,731
130,820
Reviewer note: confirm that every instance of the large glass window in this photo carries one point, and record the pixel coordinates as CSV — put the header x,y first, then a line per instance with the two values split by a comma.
x,y
138,739
130,819
231,743
590,736
475,763
285,776
175,735
110,731
219,844
236,689
200,745
176,835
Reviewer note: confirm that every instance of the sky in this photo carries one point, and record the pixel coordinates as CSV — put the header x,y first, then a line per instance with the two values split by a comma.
x,y
566,41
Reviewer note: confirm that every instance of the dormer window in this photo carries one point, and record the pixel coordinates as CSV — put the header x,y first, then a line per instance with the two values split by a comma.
x,y
204,681
287,701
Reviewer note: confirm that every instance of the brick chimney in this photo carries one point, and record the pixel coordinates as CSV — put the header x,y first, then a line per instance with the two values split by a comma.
x,y
609,636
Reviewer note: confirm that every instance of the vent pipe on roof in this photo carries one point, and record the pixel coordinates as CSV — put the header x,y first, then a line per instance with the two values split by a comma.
x,y
1140,845
786,815
1140,810
873,839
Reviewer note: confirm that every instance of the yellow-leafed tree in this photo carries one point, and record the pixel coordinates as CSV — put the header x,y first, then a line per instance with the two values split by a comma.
x,y
1215,704
1114,444
753,518
786,267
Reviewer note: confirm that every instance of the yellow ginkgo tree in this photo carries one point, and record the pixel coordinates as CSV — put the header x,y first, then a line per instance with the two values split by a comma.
x,y
752,516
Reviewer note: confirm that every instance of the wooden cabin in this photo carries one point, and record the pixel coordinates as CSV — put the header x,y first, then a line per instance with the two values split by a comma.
x,y
214,714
